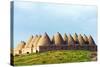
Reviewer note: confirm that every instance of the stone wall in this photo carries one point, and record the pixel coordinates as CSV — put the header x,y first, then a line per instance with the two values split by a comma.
x,y
66,47
53,47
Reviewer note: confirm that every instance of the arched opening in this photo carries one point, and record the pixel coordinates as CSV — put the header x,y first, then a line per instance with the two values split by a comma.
x,y
20,51
86,42
36,51
76,42
27,52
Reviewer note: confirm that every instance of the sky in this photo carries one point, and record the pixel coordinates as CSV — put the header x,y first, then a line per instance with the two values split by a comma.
x,y
31,18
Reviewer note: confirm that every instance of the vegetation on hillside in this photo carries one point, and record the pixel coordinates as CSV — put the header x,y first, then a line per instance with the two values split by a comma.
x,y
53,57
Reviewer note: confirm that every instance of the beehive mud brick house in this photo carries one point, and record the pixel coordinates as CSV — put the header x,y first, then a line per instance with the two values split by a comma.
x,y
41,43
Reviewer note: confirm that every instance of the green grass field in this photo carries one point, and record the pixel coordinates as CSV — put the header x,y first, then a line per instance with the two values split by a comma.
x,y
53,57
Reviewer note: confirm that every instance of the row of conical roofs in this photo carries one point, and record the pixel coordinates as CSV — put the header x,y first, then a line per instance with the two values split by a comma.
x,y
57,39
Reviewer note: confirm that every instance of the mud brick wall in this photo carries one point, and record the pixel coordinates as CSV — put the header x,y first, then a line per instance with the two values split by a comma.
x,y
66,47
26,50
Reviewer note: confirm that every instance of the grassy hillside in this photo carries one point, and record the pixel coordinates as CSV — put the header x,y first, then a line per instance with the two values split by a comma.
x,y
51,57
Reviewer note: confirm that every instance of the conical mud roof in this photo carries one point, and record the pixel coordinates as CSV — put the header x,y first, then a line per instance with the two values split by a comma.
x,y
32,41
36,41
29,41
91,41
21,45
44,40
58,39
70,40
75,37
65,38
81,40
85,39
52,40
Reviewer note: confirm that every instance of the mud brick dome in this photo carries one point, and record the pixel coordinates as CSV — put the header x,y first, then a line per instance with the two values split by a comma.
x,y
85,39
70,40
44,40
58,40
41,43
29,41
81,40
65,39
75,37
